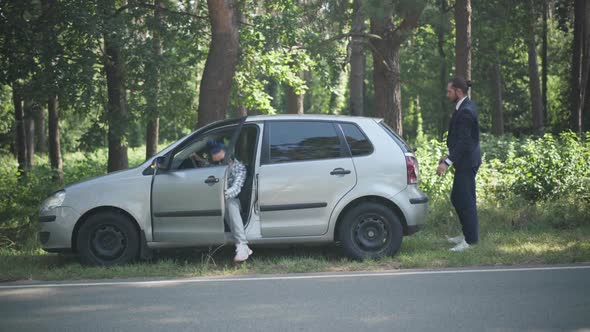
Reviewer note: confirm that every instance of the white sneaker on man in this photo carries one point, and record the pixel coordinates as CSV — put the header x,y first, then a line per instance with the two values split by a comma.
x,y
461,246
456,239
242,253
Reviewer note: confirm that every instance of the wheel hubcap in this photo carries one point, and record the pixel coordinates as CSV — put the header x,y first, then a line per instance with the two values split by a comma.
x,y
108,242
371,233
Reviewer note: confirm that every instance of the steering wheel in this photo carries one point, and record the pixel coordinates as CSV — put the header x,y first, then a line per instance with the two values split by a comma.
x,y
193,162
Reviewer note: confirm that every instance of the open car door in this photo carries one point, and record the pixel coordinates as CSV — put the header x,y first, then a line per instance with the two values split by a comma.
x,y
188,203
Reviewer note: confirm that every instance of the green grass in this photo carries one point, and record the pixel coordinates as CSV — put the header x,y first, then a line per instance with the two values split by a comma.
x,y
500,245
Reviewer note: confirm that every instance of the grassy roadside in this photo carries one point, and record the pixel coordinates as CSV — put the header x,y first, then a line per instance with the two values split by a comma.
x,y
500,245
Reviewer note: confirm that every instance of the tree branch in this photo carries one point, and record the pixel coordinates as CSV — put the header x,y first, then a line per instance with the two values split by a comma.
x,y
353,34
166,10
374,49
408,24
246,23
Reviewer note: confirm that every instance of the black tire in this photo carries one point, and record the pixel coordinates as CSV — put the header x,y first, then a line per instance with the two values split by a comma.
x,y
370,231
107,238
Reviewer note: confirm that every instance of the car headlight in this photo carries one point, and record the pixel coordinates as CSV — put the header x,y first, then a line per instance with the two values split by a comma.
x,y
54,201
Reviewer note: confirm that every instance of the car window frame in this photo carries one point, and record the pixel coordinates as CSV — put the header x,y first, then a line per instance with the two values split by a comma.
x,y
265,153
174,154
213,131
182,142
340,123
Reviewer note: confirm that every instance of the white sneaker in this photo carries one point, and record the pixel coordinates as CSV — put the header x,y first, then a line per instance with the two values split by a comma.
x,y
456,239
242,253
461,246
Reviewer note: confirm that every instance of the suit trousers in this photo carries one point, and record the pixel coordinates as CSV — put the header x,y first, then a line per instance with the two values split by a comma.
x,y
463,197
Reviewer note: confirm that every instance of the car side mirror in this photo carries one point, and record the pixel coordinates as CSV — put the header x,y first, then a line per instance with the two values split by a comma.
x,y
160,163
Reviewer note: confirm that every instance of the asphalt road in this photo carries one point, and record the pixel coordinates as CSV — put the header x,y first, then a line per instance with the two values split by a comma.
x,y
505,299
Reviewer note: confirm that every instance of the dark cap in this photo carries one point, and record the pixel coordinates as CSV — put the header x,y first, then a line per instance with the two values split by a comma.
x,y
215,147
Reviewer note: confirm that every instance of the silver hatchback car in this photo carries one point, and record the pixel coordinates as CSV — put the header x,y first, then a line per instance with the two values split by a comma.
x,y
310,179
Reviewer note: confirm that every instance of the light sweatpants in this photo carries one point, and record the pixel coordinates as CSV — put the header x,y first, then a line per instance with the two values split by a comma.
x,y
232,211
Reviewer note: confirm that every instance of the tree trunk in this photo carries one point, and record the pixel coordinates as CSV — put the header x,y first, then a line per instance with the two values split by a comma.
x,y
444,73
151,137
221,61
308,95
357,62
386,75
21,145
152,87
294,101
534,82
40,132
576,68
385,70
52,104
29,122
242,111
273,89
585,87
386,64
497,107
463,38
54,144
544,61
117,95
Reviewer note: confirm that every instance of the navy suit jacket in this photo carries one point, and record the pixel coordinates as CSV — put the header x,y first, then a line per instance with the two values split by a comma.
x,y
463,137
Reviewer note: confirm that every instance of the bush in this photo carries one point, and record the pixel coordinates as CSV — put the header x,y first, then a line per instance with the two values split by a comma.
x,y
535,169
551,168
19,202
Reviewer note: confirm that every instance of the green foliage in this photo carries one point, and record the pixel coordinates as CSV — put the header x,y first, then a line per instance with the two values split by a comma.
x,y
535,170
553,167
279,49
20,199
303,45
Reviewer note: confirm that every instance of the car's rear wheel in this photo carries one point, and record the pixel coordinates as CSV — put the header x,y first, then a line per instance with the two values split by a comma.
x,y
370,231
107,238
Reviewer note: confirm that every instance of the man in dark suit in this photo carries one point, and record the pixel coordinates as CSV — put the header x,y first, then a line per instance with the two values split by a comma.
x,y
465,156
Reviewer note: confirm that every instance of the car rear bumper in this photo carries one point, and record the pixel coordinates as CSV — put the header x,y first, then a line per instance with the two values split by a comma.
x,y
414,205
56,227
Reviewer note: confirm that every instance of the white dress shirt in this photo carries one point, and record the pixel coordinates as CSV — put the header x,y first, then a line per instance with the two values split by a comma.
x,y
459,103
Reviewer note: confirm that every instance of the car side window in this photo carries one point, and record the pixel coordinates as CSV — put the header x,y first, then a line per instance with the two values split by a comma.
x,y
302,140
357,141
184,158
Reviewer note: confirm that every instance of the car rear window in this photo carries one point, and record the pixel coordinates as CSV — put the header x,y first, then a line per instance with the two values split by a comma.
x,y
357,141
402,144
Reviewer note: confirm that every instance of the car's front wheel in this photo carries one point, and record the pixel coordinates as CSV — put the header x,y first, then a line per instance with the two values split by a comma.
x,y
370,231
107,238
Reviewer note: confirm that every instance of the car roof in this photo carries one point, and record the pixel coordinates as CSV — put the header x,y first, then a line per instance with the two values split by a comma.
x,y
312,117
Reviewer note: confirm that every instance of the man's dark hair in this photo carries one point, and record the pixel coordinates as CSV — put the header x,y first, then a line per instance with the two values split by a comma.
x,y
459,82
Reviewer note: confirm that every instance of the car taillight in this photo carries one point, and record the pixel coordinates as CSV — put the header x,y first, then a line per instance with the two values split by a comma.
x,y
412,167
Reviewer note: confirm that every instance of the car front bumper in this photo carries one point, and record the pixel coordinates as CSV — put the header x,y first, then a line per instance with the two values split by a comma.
x,y
56,227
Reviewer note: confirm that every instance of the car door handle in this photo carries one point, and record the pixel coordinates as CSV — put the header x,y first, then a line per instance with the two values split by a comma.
x,y
339,171
211,180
